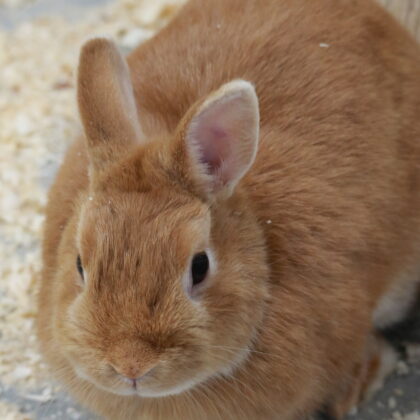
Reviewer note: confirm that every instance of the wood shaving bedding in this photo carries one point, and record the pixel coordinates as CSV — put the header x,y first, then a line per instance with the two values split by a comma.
x,y
11,412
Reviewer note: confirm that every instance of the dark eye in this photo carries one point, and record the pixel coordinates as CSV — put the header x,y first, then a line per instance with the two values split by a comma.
x,y
199,268
80,267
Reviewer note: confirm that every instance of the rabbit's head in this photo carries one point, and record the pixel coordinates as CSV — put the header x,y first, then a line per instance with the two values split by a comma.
x,y
168,275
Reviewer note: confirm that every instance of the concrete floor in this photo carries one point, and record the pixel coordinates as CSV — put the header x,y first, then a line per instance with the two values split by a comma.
x,y
401,393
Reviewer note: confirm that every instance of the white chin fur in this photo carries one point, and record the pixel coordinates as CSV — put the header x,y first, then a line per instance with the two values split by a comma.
x,y
140,391
124,391
148,393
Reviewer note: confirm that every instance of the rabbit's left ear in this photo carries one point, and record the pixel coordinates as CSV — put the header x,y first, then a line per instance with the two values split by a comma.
x,y
220,137
106,102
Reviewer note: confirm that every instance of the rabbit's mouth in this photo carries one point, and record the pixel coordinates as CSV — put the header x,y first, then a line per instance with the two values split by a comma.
x,y
173,372
158,393
118,386
146,387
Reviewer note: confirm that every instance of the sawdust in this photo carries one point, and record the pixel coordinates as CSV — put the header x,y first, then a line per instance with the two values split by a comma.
x,y
11,412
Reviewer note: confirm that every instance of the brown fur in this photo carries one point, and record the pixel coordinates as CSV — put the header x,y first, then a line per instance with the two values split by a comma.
x,y
322,225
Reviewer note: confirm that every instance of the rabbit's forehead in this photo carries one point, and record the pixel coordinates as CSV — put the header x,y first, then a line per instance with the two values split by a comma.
x,y
138,227
150,216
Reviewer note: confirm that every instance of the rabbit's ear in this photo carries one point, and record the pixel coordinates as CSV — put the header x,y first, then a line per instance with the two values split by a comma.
x,y
106,101
221,137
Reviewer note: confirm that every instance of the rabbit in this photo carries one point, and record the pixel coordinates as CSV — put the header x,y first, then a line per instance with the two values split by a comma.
x,y
240,218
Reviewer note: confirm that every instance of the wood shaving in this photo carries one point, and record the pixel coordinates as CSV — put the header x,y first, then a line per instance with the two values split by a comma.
x,y
45,396
11,412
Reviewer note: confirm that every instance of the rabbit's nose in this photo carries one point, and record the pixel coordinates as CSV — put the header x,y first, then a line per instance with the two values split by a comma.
x,y
131,373
132,359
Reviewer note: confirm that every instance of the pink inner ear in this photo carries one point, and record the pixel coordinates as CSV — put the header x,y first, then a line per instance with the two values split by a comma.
x,y
224,135
215,134
214,147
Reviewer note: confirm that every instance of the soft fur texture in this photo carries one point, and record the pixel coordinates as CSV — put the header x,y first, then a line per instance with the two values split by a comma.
x,y
306,240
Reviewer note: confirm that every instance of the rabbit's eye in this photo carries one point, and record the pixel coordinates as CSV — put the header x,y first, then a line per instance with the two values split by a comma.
x,y
80,267
199,267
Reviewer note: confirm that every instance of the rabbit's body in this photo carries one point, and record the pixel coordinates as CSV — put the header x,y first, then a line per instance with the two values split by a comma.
x,y
326,223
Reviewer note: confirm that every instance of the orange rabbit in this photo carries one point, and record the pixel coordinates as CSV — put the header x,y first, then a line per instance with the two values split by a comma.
x,y
241,216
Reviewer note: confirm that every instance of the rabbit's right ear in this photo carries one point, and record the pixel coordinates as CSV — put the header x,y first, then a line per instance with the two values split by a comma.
x,y
106,102
218,139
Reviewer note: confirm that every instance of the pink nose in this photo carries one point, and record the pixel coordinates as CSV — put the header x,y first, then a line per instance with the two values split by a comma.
x,y
132,372
132,359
